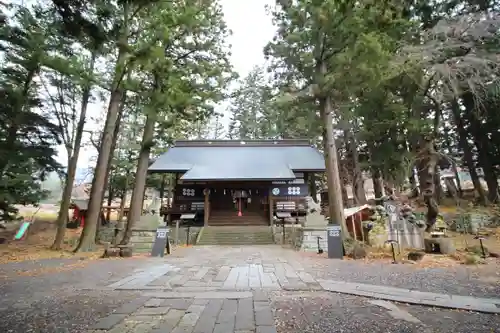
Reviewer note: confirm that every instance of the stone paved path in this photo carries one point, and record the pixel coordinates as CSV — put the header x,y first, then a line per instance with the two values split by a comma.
x,y
208,290
228,289
225,268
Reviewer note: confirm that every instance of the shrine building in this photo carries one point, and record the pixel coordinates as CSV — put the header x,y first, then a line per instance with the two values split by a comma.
x,y
228,182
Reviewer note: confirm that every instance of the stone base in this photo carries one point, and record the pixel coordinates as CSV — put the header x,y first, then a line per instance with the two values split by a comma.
x,y
126,252
439,245
106,233
111,252
293,236
310,239
142,240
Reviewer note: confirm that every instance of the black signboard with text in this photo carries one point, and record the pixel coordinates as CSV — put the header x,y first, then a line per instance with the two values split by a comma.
x,y
334,240
160,243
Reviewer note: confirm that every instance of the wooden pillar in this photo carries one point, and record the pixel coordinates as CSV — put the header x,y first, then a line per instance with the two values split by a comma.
x,y
206,206
172,188
271,210
176,235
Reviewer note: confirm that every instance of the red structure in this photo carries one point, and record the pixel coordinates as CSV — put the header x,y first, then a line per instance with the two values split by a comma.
x,y
79,210
354,216
79,216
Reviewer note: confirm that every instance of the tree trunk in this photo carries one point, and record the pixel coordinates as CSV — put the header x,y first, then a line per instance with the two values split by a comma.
x,y
467,151
162,189
452,188
109,201
116,132
426,172
87,241
490,176
345,196
312,187
437,185
336,209
144,194
123,198
388,186
483,148
378,187
358,183
457,179
413,183
469,161
137,198
449,145
62,217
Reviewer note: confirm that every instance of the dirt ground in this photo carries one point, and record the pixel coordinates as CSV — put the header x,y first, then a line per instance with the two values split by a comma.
x,y
37,242
463,241
41,235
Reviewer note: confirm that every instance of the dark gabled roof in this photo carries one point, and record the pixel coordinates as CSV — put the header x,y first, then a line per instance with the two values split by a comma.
x,y
239,160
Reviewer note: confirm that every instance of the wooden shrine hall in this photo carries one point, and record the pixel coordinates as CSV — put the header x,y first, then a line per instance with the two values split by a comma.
x,y
227,182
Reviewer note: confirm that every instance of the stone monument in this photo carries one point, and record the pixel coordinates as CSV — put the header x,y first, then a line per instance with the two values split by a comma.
x,y
314,217
314,227
144,232
407,234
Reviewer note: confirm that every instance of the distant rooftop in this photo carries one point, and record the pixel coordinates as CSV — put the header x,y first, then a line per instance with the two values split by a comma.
x,y
239,159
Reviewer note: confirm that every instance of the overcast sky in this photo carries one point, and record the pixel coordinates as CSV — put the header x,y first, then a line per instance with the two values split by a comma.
x,y
252,29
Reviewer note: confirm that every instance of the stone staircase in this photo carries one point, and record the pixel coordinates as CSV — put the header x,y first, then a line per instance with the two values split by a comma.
x,y
236,235
231,218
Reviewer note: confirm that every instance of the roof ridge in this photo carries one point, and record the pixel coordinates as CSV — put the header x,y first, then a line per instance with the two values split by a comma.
x,y
242,143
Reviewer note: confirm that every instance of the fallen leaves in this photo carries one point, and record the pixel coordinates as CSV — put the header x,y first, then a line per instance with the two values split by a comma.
x,y
57,269
384,256
37,247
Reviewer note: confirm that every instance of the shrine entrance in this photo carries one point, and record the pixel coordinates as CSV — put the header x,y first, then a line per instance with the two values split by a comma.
x,y
240,200
237,204
237,199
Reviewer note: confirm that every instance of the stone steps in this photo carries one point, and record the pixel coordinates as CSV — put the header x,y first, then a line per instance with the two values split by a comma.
x,y
233,219
243,235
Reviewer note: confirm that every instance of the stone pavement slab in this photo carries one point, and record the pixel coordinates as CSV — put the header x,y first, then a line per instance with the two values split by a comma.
x,y
487,305
395,311
202,295
109,322
141,279
223,312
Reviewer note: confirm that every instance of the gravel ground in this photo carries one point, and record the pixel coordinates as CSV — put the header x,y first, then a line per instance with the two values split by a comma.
x,y
62,296
322,312
61,312
459,280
